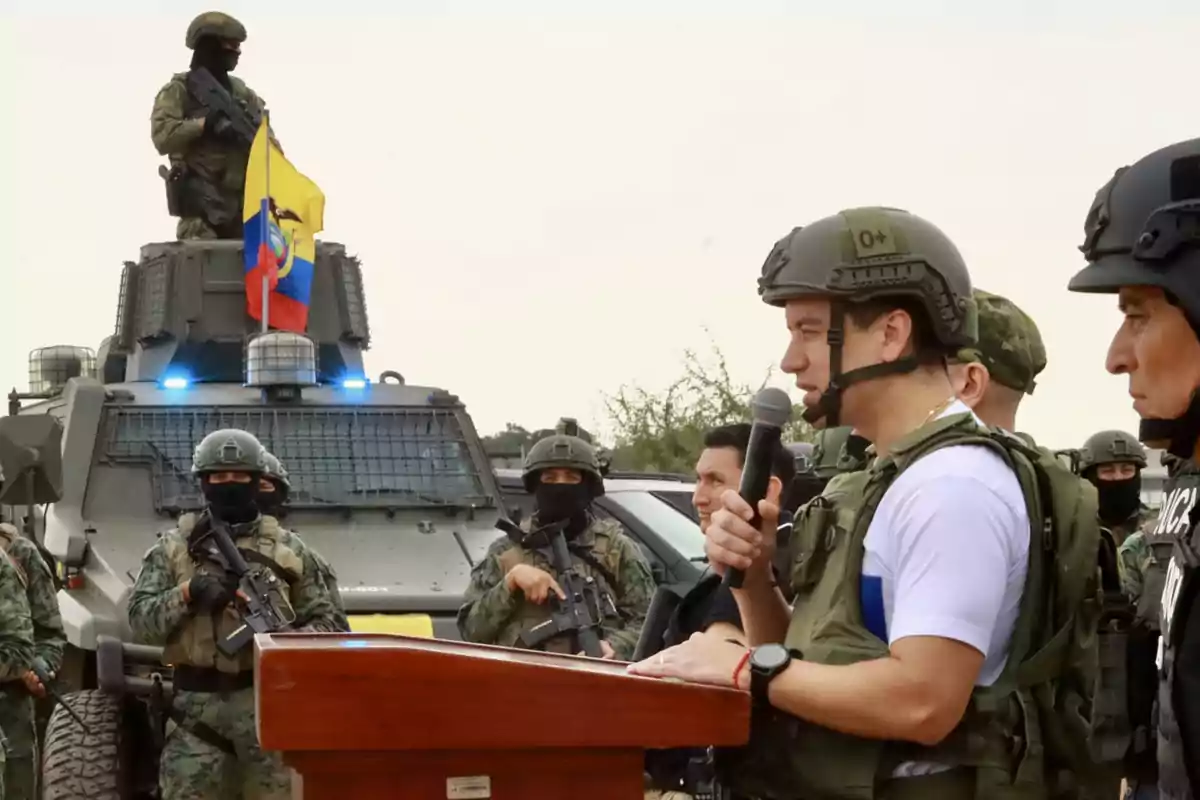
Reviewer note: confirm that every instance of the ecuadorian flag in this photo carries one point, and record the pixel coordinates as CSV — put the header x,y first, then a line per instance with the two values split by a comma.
x,y
284,210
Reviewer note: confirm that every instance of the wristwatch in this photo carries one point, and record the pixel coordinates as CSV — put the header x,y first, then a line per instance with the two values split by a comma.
x,y
766,661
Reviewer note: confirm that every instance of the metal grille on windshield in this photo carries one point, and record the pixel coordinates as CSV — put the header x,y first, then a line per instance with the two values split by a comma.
x,y
357,457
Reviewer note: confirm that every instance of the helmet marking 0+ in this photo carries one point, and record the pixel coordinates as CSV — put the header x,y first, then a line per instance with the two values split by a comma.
x,y
871,253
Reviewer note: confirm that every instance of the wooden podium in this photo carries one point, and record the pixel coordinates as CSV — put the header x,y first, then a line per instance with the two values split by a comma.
x,y
376,716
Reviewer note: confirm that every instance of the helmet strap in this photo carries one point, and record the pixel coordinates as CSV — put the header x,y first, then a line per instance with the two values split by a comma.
x,y
1180,433
829,406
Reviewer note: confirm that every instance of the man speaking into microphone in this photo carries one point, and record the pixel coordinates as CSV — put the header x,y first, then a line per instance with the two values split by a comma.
x,y
908,593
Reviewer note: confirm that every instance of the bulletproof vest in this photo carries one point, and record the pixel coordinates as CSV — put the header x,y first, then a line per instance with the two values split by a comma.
x,y
1002,734
1177,520
1154,577
593,553
264,546
221,164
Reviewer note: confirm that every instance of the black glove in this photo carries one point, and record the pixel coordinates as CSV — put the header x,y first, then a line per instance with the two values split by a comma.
x,y
210,593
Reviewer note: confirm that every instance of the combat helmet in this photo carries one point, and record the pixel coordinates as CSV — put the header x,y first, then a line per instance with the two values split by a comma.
x,y
561,450
214,23
1111,447
871,253
229,450
1143,229
274,471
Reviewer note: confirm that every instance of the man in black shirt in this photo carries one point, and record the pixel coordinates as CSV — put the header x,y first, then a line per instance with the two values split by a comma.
x,y
1142,243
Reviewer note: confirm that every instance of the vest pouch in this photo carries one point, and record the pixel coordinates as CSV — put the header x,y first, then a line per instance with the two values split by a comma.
x,y
812,540
790,759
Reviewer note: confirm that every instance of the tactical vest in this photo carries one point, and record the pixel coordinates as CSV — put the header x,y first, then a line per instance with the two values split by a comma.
x,y
1177,779
221,165
1005,740
264,546
598,558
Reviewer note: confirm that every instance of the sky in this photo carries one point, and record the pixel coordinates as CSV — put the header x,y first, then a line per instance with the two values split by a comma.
x,y
553,200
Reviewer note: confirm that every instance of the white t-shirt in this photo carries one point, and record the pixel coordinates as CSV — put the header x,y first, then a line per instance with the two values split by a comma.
x,y
947,553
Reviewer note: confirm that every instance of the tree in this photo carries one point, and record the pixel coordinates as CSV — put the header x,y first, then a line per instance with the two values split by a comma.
x,y
508,447
664,431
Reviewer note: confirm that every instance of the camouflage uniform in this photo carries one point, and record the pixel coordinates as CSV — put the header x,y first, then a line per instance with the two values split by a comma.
x,y
1009,343
1136,557
16,704
16,647
215,168
602,551
219,715
283,487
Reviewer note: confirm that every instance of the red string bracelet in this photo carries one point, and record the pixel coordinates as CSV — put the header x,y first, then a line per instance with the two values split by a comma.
x,y
738,669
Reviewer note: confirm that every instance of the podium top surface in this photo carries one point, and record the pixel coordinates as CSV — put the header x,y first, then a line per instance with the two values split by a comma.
x,y
388,692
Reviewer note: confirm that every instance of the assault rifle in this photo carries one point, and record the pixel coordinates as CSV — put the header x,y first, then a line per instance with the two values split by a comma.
x,y
256,594
208,92
579,614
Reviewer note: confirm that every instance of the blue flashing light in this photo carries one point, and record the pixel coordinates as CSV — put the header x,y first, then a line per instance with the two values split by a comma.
x,y
176,382
354,383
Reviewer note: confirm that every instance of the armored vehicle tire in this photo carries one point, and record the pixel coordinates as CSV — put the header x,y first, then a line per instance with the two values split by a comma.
x,y
77,765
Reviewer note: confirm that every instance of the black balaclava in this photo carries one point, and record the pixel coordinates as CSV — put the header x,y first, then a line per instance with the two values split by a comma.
x,y
232,502
1118,500
563,501
273,503
214,55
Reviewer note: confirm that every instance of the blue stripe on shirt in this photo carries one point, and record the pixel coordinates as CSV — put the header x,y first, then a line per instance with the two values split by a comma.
x,y
871,597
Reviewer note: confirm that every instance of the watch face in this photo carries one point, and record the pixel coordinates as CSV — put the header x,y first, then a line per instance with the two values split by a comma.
x,y
769,656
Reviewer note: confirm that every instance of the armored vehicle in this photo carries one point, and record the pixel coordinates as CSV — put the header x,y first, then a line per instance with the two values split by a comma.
x,y
389,481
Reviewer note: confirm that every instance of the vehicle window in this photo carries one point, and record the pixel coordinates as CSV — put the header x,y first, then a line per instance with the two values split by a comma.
x,y
680,532
347,457
680,501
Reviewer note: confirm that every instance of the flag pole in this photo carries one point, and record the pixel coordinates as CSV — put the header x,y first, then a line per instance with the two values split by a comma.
x,y
266,225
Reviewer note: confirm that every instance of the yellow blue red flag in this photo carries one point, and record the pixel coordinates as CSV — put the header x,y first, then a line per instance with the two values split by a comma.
x,y
284,211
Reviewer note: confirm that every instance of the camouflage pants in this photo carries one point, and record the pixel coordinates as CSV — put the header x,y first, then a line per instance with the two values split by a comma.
x,y
192,769
199,228
16,720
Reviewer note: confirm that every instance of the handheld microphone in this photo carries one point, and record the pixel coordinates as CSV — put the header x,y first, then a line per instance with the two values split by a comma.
x,y
770,410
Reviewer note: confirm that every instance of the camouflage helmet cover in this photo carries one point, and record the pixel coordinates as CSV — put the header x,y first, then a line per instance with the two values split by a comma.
x,y
229,450
1009,345
561,450
275,471
214,23
875,252
1111,447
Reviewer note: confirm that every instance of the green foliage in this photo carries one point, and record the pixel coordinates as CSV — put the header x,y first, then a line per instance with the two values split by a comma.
x,y
664,431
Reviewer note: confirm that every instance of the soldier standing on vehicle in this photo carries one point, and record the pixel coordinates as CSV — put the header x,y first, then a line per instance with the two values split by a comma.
x,y
206,182
17,718
1142,243
274,489
511,588
185,602
887,678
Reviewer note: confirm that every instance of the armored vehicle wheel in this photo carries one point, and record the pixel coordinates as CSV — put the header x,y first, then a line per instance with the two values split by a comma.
x,y
82,765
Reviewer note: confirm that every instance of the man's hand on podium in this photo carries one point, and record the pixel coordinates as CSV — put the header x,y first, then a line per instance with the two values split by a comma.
x,y
536,584
704,658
